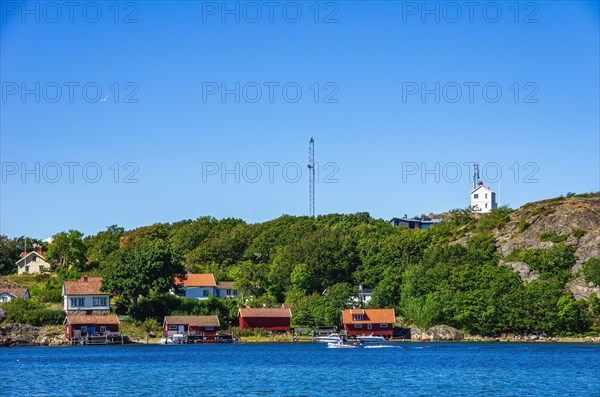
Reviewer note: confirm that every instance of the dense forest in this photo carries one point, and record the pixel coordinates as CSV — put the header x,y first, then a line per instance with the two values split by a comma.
x,y
448,274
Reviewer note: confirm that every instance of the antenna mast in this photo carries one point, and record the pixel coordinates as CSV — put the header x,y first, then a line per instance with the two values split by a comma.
x,y
475,175
311,177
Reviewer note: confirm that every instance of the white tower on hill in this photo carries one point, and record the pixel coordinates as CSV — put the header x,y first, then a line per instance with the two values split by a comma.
x,y
483,199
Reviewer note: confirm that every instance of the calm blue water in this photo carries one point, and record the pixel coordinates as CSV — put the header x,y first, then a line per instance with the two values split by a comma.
x,y
409,369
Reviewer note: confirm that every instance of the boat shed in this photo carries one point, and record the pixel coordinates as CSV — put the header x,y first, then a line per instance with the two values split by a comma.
x,y
369,321
266,318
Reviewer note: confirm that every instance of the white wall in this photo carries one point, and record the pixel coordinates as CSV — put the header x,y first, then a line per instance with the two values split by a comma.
x,y
88,302
35,263
198,292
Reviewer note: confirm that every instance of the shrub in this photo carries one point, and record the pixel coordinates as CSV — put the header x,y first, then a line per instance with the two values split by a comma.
x,y
33,313
552,236
522,224
591,271
577,233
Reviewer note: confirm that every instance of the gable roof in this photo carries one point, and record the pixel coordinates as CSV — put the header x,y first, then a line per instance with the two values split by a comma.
x,y
370,316
28,254
197,280
15,292
198,321
83,287
264,312
482,186
225,285
109,319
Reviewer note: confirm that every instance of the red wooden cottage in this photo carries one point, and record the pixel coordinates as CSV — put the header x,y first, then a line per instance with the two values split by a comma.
x,y
369,321
192,325
78,327
269,319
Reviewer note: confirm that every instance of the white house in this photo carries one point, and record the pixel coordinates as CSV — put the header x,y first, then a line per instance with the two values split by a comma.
x,y
203,285
33,262
225,289
85,296
8,293
483,199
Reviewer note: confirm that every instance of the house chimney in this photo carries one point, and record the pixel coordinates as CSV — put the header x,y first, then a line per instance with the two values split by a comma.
x,y
39,250
85,278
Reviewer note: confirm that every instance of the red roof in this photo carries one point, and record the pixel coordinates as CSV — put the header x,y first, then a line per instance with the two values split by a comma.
x,y
83,287
265,312
16,292
383,316
109,319
197,280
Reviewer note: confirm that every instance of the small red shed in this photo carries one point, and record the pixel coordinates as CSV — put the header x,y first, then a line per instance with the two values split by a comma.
x,y
369,321
199,325
269,319
82,326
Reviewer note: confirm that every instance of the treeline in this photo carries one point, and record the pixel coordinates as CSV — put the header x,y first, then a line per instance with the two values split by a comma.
x,y
316,265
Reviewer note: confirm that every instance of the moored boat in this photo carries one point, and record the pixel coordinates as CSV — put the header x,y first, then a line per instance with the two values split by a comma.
x,y
370,338
333,337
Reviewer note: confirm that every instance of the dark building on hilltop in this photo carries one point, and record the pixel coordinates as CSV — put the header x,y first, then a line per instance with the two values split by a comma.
x,y
415,223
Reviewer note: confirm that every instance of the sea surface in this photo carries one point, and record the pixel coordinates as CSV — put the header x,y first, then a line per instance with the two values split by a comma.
x,y
401,369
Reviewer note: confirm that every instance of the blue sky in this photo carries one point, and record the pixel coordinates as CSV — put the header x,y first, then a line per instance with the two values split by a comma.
x,y
179,143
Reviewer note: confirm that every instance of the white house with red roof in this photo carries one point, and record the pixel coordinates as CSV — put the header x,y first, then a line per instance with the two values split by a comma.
x,y
483,199
10,292
85,296
33,262
203,285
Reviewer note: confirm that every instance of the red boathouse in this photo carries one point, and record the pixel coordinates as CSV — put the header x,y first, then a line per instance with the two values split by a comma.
x,y
269,319
77,327
369,321
192,325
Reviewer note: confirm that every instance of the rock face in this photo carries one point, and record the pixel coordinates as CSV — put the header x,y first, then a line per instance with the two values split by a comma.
x,y
29,335
442,333
525,273
582,289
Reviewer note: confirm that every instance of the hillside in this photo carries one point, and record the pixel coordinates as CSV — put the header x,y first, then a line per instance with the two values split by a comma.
x,y
531,270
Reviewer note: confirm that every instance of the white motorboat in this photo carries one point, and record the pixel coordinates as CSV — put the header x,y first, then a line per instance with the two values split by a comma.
x,y
334,337
341,345
370,338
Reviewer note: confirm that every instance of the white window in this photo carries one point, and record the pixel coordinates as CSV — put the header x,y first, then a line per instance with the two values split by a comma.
x,y
74,302
357,317
383,325
228,292
96,302
485,205
476,196
210,328
369,326
357,325
102,301
102,329
173,327
205,293
81,302
486,195
84,329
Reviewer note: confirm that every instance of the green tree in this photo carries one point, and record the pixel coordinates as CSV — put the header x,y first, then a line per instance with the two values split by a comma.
x,y
67,250
136,270
301,278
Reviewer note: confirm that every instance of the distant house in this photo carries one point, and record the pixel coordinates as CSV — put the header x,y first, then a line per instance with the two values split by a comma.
x,y
33,262
225,289
364,296
483,199
85,327
369,321
85,296
202,285
415,223
206,326
8,293
269,319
